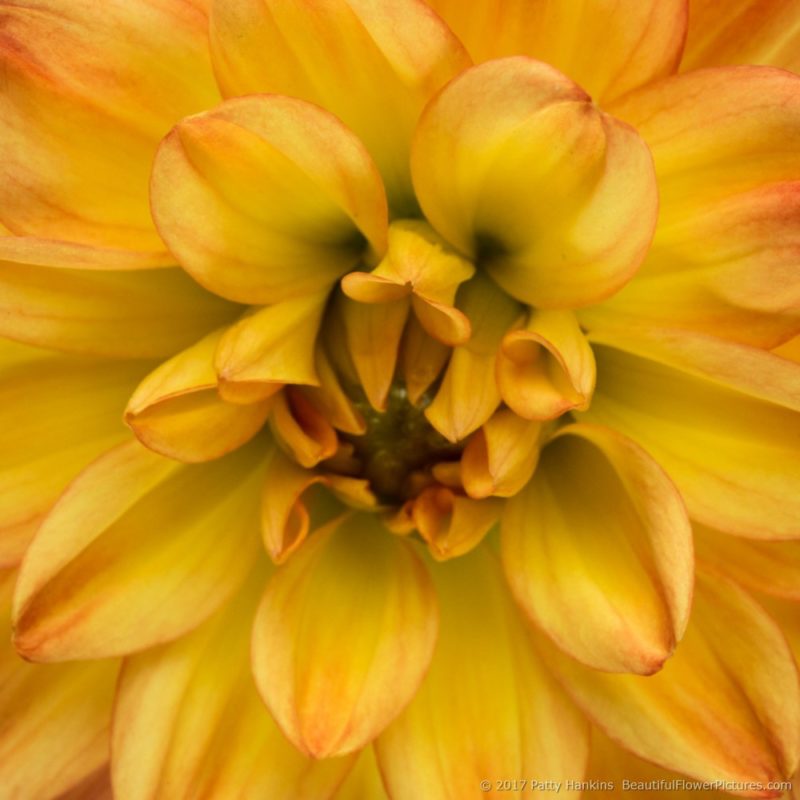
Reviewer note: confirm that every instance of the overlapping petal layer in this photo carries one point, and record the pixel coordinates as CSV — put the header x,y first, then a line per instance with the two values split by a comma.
x,y
556,198
147,540
88,92
468,394
641,40
724,256
487,708
61,413
374,65
720,418
597,550
763,566
708,713
55,718
743,32
433,392
266,198
105,312
188,721
177,411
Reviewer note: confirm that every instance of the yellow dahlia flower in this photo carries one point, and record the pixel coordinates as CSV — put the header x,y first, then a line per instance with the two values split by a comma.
x,y
372,372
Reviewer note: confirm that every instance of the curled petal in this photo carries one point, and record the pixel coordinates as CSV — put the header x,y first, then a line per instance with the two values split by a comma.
x,y
177,412
481,718
721,418
87,95
272,347
55,718
106,313
65,413
468,394
267,198
351,614
725,707
598,551
421,264
284,517
73,596
640,40
330,399
743,32
556,198
500,458
451,524
372,334
373,65
188,721
546,368
422,359
301,430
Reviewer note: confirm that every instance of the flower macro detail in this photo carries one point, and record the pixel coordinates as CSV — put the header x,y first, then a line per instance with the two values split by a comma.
x,y
402,398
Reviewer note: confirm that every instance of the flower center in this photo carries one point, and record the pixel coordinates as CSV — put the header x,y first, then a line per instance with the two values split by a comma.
x,y
399,447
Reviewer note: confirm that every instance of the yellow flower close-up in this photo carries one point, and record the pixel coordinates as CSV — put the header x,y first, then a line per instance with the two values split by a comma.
x,y
400,399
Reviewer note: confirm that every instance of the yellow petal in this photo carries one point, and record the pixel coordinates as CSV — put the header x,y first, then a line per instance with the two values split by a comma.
x,y
350,615
771,567
743,32
330,399
720,418
729,270
789,350
189,723
422,359
373,333
70,255
106,313
546,368
451,524
355,492
500,458
468,394
421,264
364,781
284,517
598,551
266,198
301,430
97,786
176,410
61,412
728,166
487,709
373,65
124,562
270,348
556,198
86,98
55,718
622,771
737,137
607,47
725,706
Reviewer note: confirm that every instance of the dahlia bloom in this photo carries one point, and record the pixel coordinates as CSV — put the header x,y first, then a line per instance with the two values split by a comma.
x,y
400,398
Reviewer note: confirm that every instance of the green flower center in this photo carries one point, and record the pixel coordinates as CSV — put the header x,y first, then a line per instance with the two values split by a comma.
x,y
399,447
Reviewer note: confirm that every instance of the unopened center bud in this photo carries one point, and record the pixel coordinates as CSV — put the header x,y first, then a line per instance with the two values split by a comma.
x,y
399,446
